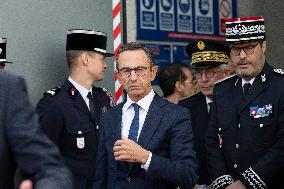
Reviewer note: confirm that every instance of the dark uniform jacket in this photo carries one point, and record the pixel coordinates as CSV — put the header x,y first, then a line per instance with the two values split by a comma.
x,y
66,119
199,121
23,144
251,130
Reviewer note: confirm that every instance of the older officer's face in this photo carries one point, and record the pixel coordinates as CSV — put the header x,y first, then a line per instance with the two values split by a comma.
x,y
249,58
206,78
135,73
97,65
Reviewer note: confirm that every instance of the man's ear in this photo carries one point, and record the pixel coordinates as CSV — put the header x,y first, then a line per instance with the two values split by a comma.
x,y
178,86
263,46
85,58
154,71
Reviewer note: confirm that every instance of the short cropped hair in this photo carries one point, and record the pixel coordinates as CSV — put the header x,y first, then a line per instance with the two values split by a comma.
x,y
169,75
136,46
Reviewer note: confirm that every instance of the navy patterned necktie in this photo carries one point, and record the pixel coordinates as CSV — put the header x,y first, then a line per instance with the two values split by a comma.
x,y
134,127
91,105
246,87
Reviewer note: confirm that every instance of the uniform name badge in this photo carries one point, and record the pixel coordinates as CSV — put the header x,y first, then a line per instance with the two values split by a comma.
x,y
80,142
261,111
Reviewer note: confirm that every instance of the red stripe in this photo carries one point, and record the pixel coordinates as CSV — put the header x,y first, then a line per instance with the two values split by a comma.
x,y
116,50
244,19
116,31
118,94
116,10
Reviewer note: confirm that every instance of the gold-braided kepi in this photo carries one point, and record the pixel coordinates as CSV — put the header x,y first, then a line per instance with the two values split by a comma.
x,y
206,54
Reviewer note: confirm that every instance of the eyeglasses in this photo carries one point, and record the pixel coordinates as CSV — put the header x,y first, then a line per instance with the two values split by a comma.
x,y
235,51
126,72
208,74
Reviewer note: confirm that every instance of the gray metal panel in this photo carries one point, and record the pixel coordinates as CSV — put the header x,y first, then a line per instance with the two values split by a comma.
x,y
36,32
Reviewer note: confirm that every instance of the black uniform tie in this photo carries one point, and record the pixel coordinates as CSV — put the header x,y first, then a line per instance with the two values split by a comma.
x,y
91,105
246,87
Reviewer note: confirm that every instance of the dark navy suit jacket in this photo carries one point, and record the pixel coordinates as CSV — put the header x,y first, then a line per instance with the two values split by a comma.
x,y
199,118
166,133
23,144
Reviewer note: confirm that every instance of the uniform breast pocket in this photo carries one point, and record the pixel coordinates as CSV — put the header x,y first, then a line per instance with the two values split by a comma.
x,y
79,136
264,130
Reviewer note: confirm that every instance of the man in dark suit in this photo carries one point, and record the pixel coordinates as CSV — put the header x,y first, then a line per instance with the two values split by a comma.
x,y
248,115
145,142
23,144
209,62
69,115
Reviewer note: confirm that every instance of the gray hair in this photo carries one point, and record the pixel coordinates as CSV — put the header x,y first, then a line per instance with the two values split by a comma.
x,y
136,46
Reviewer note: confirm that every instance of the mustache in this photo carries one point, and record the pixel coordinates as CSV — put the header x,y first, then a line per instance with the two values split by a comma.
x,y
242,62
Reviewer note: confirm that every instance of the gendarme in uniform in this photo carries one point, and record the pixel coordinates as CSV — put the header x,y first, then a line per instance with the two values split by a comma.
x,y
65,114
245,138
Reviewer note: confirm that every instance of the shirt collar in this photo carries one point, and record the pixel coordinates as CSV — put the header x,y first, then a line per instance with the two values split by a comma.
x,y
208,100
250,81
144,103
82,90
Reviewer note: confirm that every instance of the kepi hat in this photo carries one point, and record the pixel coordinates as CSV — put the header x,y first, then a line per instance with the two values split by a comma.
x,y
245,29
89,40
207,54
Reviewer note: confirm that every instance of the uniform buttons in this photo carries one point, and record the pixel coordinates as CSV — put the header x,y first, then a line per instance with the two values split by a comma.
x,y
128,179
237,145
239,125
235,166
79,132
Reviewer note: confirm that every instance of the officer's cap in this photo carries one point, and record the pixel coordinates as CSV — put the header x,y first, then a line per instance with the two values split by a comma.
x,y
89,40
3,43
207,54
245,29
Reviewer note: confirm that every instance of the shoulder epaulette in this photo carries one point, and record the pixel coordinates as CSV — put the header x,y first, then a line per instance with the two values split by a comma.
x,y
53,91
111,98
279,71
226,79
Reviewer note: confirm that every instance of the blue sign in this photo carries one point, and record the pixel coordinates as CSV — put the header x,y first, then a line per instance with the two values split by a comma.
x,y
148,4
183,20
167,17
166,4
162,55
148,18
184,5
204,6
179,55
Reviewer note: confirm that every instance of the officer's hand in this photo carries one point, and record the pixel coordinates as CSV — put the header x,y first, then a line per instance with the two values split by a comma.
x,y
129,151
236,185
26,184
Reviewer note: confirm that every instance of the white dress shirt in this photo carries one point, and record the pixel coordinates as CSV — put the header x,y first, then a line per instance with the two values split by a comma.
x,y
250,81
82,90
207,102
128,115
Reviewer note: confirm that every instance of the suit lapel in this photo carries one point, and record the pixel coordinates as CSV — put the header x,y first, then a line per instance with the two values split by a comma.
x,y
152,121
